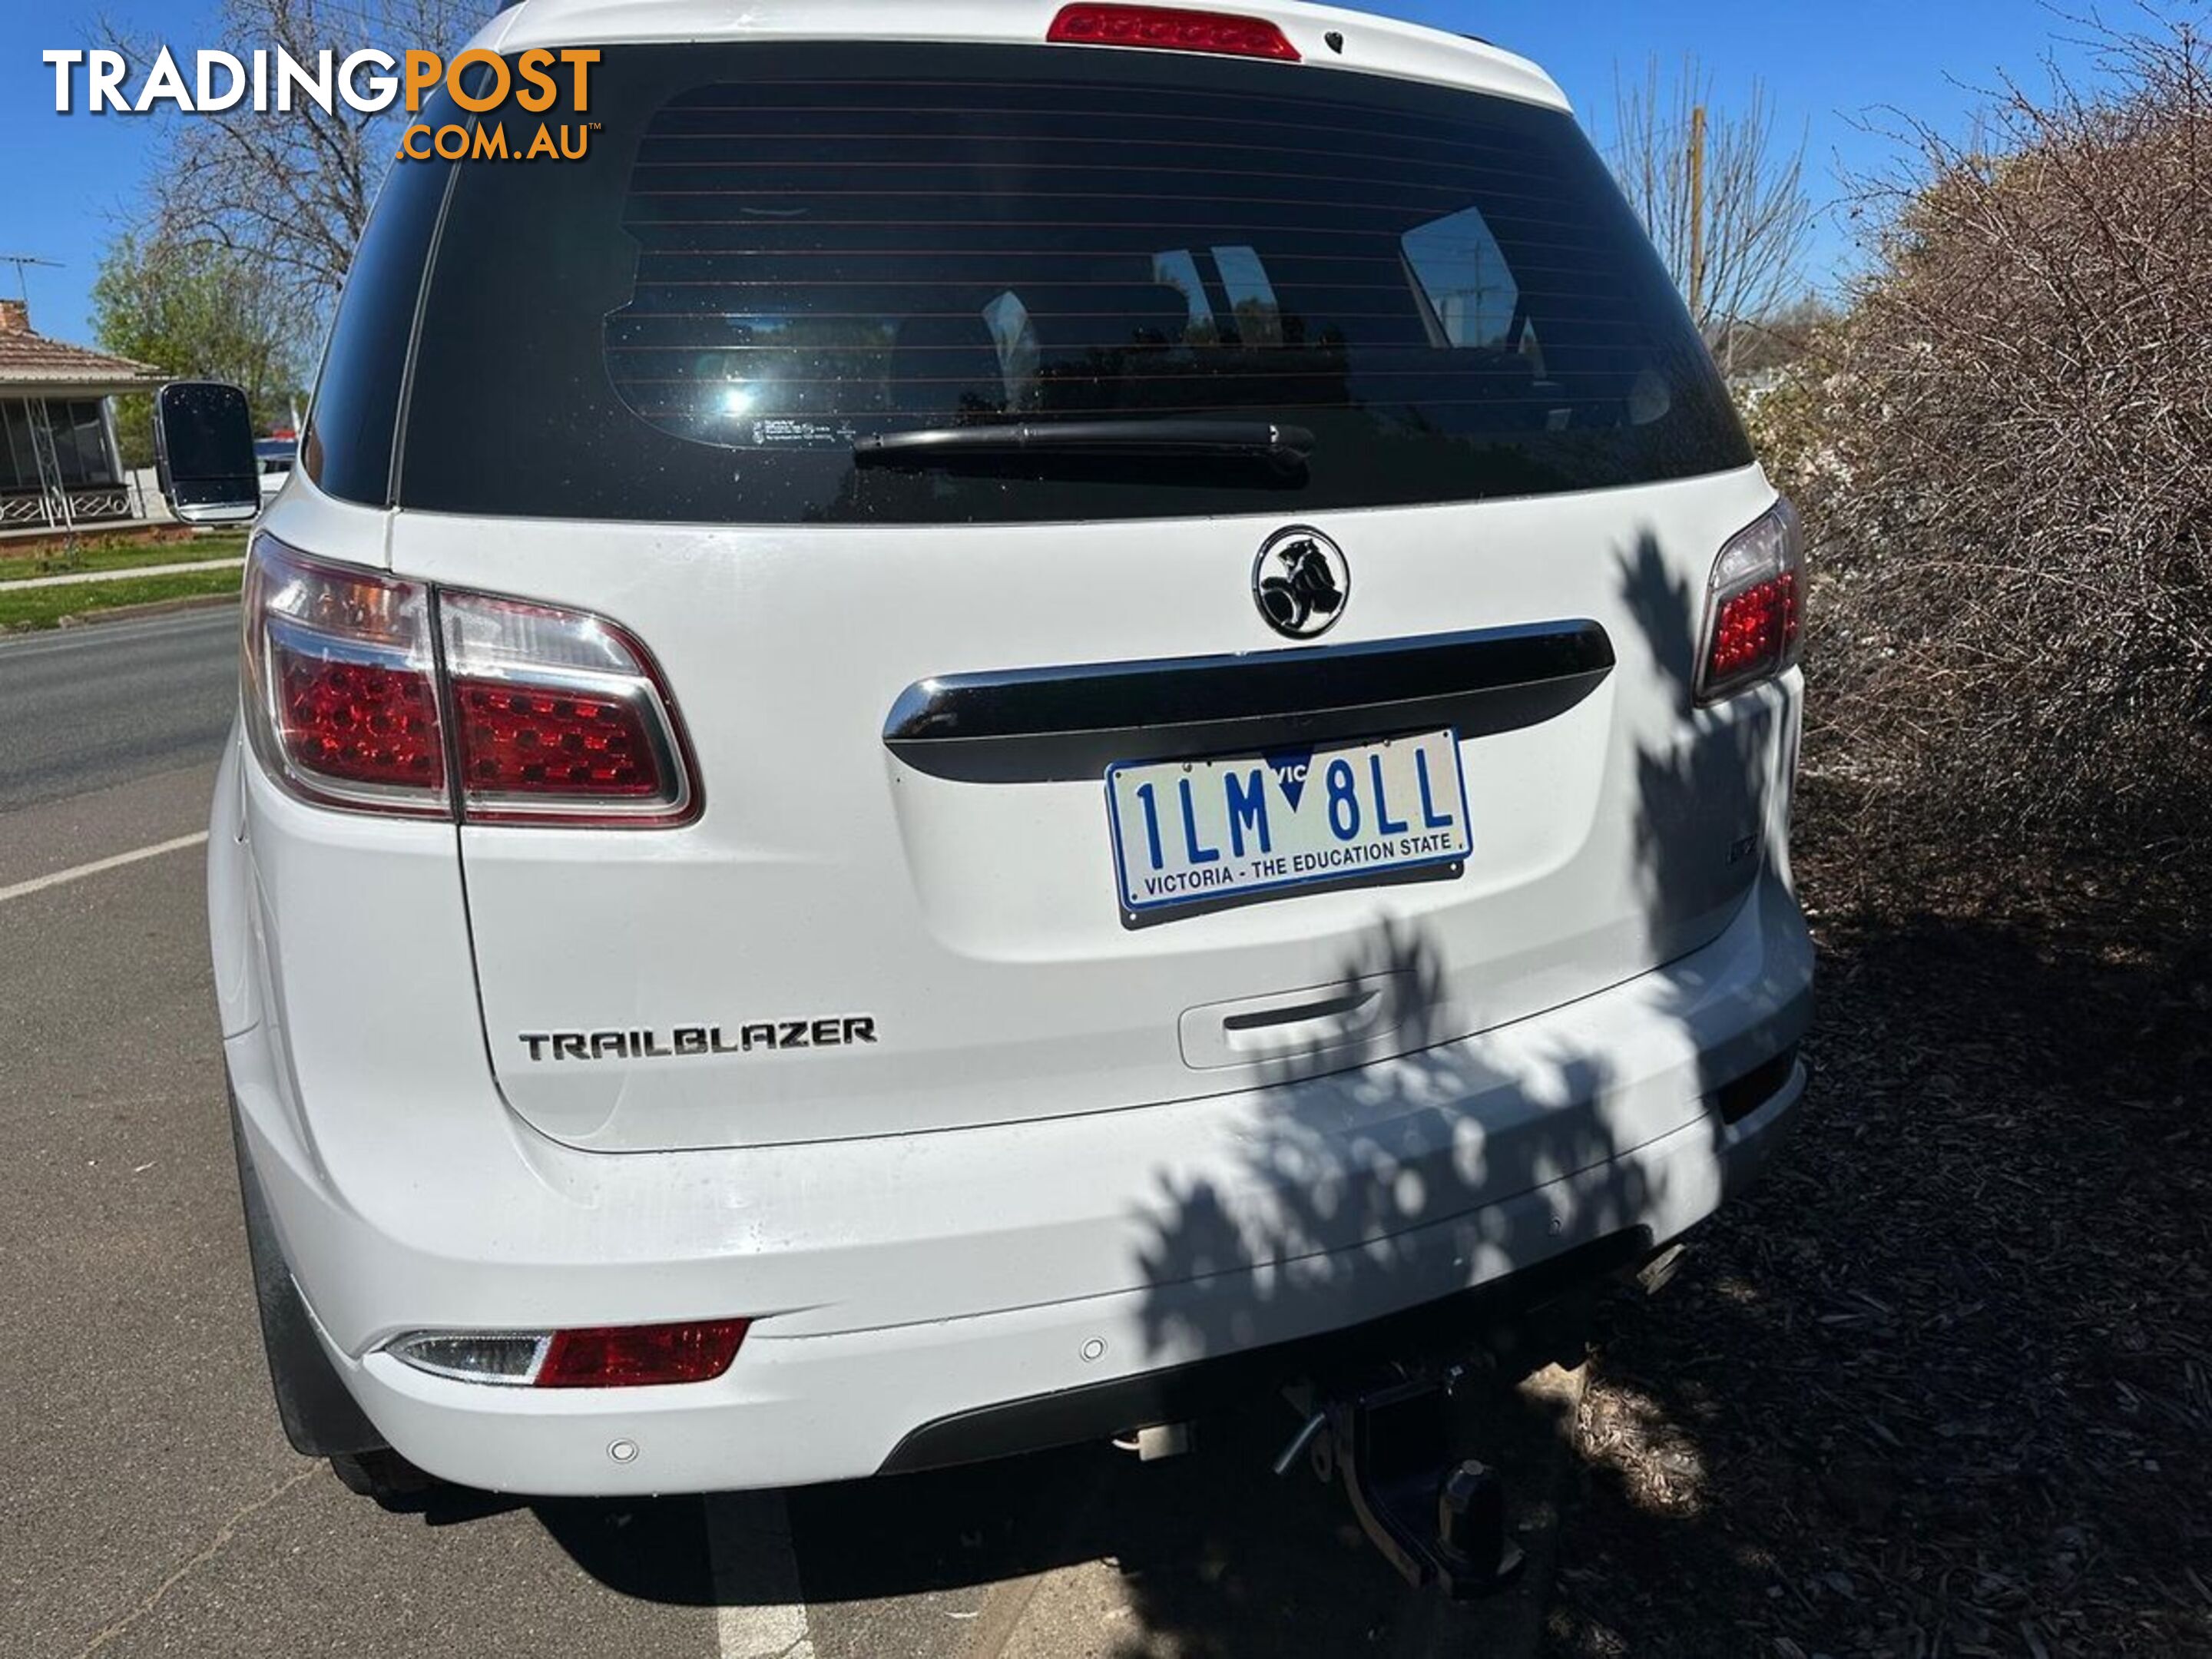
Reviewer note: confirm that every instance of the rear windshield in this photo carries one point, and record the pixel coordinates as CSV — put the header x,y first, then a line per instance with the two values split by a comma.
x,y
775,249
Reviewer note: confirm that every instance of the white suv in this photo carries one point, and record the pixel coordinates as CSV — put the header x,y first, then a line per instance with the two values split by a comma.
x,y
1020,701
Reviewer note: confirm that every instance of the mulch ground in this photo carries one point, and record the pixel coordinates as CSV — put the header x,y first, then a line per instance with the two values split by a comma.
x,y
1943,1383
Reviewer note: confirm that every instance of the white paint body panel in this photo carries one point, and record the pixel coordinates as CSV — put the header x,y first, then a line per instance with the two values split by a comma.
x,y
905,1279
978,924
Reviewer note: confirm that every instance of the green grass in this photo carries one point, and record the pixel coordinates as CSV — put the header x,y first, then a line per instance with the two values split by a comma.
x,y
45,607
95,556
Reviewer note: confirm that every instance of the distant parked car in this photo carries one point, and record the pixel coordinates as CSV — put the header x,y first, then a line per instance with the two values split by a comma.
x,y
273,458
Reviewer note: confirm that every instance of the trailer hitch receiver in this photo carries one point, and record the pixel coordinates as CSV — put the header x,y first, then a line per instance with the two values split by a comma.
x,y
1438,1521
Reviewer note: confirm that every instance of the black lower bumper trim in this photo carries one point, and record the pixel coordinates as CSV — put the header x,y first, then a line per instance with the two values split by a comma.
x,y
1101,1410
1738,1099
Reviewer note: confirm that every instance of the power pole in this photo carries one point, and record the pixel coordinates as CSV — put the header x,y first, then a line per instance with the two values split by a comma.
x,y
1697,215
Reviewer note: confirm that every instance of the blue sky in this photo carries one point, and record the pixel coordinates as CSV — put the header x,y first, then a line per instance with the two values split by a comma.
x,y
68,181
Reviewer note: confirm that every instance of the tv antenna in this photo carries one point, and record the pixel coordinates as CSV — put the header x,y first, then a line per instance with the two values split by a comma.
x,y
23,262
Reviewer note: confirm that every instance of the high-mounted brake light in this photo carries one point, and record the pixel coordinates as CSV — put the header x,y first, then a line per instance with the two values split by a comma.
x,y
604,1357
1755,606
382,696
1170,28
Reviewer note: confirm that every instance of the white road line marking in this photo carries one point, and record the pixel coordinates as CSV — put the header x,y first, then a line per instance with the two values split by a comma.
x,y
758,1612
25,889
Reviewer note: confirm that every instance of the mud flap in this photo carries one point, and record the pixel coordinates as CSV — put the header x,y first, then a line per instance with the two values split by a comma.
x,y
321,1419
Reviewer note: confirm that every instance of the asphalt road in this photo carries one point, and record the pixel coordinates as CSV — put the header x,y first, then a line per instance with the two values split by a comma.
x,y
150,1505
90,706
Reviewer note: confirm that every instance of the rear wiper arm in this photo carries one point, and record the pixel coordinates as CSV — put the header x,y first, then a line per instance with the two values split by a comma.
x,y
1287,446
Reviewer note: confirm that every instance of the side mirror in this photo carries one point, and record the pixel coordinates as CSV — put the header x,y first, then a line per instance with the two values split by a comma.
x,y
204,452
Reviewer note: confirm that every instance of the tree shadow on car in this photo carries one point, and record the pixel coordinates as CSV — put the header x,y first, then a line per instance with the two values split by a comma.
x,y
1398,1181
1939,1381
1356,1183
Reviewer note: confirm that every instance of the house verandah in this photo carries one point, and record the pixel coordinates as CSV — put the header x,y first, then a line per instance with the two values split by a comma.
x,y
59,465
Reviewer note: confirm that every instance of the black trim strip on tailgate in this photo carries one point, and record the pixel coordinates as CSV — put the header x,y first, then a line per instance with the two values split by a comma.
x,y
1042,725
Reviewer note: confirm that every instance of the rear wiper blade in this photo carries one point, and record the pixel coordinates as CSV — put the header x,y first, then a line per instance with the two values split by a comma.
x,y
1285,445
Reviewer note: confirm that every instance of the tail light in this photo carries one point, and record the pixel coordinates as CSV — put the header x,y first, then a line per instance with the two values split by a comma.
x,y
1755,606
558,716
383,695
1171,29
341,684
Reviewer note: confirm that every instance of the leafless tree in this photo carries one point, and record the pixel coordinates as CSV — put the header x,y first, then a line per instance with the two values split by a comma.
x,y
290,190
1721,193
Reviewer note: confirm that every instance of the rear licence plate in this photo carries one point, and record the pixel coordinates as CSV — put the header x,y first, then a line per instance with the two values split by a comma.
x,y
1186,832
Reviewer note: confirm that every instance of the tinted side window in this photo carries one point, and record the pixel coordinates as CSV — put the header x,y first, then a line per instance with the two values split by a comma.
x,y
775,249
352,421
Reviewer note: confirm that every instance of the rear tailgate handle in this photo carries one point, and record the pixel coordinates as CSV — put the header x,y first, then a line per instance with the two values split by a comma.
x,y
1293,1026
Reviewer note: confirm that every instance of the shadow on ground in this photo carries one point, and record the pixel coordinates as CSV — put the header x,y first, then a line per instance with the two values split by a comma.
x,y
1210,1553
1943,1384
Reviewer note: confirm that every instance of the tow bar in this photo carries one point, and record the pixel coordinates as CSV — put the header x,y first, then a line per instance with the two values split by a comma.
x,y
1438,1521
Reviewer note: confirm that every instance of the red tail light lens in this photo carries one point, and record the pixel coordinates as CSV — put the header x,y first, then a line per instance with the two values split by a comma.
x,y
1170,28
363,722
341,682
1755,608
559,718
522,742
1753,627
532,714
640,1356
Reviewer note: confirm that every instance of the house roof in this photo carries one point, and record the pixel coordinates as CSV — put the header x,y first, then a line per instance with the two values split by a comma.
x,y
34,365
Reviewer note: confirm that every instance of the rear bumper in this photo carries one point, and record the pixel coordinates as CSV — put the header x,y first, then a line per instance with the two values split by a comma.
x,y
967,1275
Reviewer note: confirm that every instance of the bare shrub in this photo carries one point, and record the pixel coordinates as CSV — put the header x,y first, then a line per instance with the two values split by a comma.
x,y
2005,448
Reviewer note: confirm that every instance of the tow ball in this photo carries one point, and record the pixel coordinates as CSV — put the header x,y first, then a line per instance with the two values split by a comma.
x,y
1438,1521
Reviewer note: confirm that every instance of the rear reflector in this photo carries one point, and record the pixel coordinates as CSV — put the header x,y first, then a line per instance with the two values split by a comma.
x,y
1738,1100
640,1356
605,1357
1170,29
